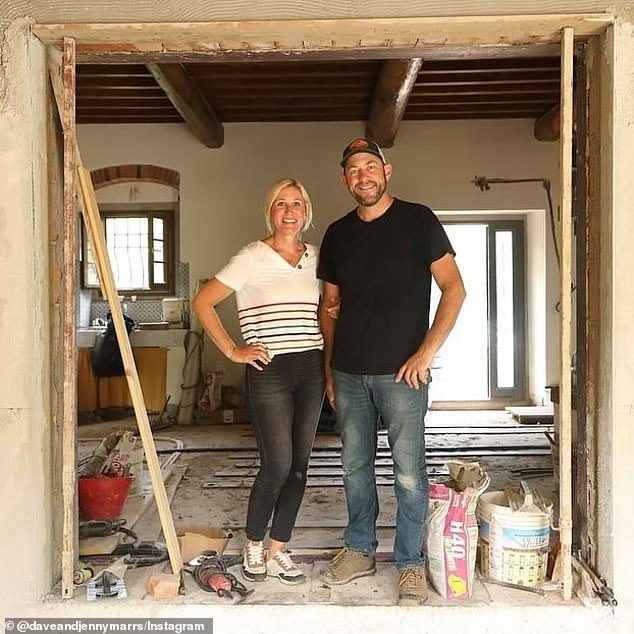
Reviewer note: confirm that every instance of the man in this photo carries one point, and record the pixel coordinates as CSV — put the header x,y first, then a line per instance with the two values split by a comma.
x,y
376,263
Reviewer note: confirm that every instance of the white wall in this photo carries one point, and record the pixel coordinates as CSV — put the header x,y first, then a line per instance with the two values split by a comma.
x,y
222,190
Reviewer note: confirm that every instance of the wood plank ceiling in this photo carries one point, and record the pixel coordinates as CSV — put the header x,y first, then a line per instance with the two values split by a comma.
x,y
379,92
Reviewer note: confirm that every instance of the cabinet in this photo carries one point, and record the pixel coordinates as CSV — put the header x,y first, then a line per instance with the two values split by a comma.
x,y
96,393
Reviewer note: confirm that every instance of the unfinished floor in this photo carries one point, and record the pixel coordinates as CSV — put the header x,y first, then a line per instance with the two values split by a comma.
x,y
209,468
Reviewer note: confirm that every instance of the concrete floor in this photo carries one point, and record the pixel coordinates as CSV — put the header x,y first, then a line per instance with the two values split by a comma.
x,y
210,486
367,605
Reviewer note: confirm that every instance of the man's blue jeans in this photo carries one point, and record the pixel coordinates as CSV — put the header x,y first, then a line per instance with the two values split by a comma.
x,y
360,400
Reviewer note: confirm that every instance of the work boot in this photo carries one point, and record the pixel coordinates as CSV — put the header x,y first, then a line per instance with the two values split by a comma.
x,y
253,565
281,566
412,586
347,565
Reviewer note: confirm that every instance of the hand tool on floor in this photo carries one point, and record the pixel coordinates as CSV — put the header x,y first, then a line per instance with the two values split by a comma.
x,y
104,528
106,585
82,574
135,555
600,586
210,572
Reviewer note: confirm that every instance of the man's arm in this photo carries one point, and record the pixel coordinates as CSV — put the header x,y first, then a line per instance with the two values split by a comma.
x,y
446,274
329,299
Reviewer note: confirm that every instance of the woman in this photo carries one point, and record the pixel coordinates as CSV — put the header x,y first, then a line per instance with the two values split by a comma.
x,y
277,294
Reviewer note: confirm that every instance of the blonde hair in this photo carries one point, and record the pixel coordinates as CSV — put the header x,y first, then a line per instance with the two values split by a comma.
x,y
274,192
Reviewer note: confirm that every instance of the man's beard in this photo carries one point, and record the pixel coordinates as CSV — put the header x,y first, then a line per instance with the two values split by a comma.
x,y
370,197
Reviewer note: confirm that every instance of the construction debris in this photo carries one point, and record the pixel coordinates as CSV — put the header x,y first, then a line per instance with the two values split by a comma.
x,y
164,586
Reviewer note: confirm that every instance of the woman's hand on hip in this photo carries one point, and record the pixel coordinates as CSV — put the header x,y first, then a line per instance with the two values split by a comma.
x,y
254,354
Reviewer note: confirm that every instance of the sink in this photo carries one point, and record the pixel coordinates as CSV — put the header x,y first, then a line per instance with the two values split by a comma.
x,y
153,325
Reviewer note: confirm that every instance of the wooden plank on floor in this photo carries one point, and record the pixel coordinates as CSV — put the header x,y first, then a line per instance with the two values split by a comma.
x,y
532,415
234,483
99,545
148,526
322,472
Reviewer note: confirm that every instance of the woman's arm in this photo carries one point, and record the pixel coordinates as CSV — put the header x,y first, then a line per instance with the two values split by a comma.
x,y
204,305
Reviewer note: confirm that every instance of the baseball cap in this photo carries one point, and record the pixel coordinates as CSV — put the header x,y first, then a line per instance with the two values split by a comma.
x,y
361,145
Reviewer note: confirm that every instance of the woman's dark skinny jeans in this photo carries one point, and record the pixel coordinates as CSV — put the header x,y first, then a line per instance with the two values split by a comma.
x,y
285,401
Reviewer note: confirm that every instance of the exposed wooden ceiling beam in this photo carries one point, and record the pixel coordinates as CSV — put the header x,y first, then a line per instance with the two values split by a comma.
x,y
547,127
391,94
190,103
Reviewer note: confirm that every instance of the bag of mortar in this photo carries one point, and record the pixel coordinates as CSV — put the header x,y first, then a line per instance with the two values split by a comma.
x,y
117,463
452,529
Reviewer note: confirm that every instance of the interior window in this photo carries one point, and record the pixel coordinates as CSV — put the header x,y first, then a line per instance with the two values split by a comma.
x,y
141,247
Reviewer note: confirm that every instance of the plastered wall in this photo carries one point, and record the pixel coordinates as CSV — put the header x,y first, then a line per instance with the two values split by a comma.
x,y
25,421
615,436
26,427
222,190
200,10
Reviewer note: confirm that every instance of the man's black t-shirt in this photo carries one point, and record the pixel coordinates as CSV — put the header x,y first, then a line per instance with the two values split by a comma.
x,y
382,269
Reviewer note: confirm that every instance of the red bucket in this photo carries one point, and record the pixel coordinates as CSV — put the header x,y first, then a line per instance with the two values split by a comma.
x,y
102,497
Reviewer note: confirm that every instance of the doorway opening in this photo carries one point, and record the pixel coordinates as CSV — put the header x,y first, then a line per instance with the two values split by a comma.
x,y
501,370
485,357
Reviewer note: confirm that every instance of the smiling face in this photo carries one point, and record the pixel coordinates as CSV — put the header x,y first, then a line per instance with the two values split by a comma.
x,y
366,177
288,211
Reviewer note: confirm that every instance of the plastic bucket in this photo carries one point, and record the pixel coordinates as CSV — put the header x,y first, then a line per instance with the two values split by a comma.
x,y
102,497
514,545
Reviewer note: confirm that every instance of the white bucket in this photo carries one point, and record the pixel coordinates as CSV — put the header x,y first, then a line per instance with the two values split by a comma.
x,y
514,545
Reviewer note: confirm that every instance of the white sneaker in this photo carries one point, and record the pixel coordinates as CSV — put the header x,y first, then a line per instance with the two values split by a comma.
x,y
253,565
282,567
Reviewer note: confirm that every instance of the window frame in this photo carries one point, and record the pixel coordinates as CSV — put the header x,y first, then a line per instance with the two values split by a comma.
x,y
168,212
518,392
515,223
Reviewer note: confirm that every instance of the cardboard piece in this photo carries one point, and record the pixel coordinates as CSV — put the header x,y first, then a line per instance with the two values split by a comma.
x,y
195,539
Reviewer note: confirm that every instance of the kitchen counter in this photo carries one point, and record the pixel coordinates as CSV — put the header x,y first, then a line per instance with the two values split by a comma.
x,y
166,338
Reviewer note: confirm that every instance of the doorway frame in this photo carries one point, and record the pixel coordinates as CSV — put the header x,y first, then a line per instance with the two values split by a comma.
x,y
494,35
515,223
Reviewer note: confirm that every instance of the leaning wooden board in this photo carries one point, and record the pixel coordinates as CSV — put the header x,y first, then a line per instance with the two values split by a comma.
x,y
90,212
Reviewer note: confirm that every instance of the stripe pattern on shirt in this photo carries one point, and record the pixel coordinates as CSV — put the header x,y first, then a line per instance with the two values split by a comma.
x,y
282,327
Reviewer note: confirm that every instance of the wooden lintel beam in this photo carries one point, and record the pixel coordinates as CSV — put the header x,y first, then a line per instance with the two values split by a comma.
x,y
129,53
186,97
331,34
547,126
391,94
